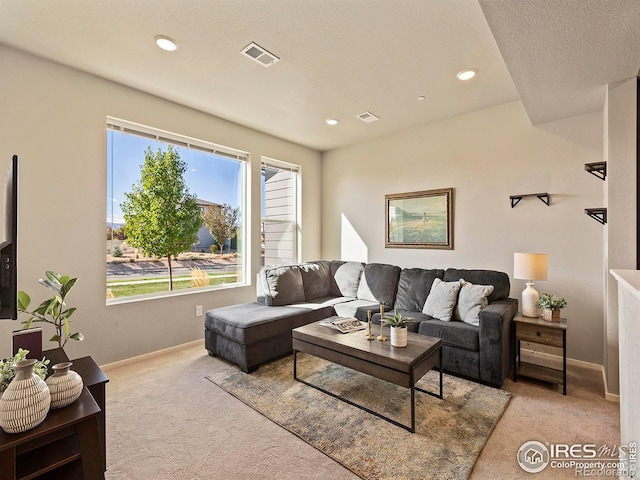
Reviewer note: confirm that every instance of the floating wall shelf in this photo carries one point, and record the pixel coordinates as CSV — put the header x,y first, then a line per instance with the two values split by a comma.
x,y
598,169
544,197
599,214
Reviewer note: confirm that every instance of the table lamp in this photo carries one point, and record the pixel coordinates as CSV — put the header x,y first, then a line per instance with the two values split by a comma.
x,y
530,266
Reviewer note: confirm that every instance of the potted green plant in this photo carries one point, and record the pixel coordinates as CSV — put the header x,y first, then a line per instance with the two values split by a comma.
x,y
398,324
551,306
8,368
54,310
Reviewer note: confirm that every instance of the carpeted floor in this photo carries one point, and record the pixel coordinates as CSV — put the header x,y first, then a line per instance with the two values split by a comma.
x,y
450,433
165,420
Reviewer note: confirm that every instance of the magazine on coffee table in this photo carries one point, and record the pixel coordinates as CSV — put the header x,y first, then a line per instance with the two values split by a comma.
x,y
343,324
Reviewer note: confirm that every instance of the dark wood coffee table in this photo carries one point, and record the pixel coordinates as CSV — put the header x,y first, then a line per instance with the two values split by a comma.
x,y
401,366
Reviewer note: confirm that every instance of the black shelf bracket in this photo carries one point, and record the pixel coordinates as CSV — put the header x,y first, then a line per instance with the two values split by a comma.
x,y
597,169
544,197
599,214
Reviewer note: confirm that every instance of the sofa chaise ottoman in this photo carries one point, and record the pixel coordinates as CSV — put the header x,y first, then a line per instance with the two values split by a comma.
x,y
252,333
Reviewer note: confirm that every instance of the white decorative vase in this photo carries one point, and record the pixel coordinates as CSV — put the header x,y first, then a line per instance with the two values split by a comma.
x,y
65,385
25,402
530,299
399,336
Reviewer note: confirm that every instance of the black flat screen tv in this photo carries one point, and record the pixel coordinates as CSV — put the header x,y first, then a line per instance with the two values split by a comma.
x,y
9,246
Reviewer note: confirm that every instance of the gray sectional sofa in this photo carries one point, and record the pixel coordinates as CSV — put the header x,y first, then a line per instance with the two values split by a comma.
x,y
293,295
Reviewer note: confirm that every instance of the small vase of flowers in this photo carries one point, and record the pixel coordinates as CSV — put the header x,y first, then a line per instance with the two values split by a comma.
x,y
551,306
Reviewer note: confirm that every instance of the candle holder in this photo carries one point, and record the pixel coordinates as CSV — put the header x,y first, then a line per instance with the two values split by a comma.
x,y
381,337
369,334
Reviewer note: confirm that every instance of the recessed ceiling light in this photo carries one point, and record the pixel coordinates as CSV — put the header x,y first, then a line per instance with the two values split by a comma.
x,y
467,74
422,98
331,121
166,43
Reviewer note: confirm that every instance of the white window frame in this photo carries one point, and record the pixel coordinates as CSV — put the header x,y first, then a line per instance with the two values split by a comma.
x,y
171,138
297,205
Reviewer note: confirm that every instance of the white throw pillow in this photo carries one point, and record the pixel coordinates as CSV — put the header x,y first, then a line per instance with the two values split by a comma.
x,y
441,300
471,301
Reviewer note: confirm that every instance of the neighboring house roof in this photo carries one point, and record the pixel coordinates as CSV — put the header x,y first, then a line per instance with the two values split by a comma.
x,y
205,203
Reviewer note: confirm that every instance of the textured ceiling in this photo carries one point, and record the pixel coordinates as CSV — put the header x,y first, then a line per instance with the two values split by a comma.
x,y
562,53
340,58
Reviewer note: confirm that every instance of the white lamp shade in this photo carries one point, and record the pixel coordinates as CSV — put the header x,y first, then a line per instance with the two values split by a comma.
x,y
530,266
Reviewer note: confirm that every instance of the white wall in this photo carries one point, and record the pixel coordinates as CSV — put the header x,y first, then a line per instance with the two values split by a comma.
x,y
54,118
620,247
485,156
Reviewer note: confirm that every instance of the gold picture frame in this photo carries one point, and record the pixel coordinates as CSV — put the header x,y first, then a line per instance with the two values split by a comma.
x,y
419,219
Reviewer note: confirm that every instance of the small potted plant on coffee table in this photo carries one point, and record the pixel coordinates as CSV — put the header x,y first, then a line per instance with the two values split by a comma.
x,y
398,325
551,306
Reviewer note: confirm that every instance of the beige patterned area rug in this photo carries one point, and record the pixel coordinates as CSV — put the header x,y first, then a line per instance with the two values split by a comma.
x,y
450,433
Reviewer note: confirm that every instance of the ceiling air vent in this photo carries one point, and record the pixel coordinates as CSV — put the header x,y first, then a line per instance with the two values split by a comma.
x,y
258,54
367,117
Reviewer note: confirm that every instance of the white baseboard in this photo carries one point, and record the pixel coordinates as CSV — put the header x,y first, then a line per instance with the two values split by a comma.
x,y
555,361
126,361
612,397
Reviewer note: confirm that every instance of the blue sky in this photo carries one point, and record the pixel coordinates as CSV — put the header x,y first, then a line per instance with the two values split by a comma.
x,y
210,177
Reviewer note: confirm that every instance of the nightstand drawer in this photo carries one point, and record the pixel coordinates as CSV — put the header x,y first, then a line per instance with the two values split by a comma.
x,y
539,334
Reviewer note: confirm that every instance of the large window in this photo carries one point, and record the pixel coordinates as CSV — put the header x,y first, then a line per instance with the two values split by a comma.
x,y
280,212
207,236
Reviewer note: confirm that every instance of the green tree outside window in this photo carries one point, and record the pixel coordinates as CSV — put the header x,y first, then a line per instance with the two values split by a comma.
x,y
161,216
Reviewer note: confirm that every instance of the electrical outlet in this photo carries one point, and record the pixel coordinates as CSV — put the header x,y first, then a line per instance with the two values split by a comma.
x,y
198,310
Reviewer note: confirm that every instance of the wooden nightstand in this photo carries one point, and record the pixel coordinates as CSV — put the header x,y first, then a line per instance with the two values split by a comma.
x,y
543,332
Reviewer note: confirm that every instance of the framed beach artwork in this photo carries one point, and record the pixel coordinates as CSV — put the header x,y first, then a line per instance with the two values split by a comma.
x,y
420,219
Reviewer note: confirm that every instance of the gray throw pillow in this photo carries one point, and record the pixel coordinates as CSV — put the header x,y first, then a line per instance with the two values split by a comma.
x,y
442,300
472,299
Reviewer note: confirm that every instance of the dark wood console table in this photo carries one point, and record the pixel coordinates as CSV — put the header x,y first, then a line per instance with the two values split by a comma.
x,y
65,445
95,380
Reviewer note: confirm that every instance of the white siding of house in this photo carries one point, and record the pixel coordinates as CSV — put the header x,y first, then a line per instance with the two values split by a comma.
x,y
279,219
